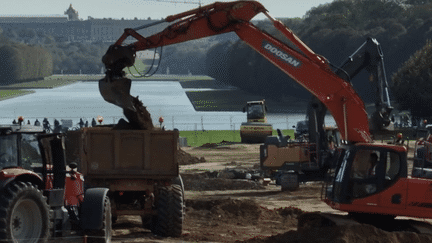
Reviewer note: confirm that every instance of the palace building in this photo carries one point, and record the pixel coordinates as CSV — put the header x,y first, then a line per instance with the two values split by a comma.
x,y
69,27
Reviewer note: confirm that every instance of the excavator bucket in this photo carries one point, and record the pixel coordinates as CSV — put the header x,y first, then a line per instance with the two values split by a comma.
x,y
117,92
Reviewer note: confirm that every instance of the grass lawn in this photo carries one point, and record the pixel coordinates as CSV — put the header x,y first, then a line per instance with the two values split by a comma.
x,y
198,138
6,94
49,82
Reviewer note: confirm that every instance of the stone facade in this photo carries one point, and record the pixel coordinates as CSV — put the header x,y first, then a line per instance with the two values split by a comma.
x,y
69,27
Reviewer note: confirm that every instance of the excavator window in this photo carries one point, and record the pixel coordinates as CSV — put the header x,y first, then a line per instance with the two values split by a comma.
x,y
364,172
392,167
373,170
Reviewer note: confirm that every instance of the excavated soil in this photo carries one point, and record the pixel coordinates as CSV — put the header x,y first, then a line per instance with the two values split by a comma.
x,y
343,234
228,220
184,158
219,209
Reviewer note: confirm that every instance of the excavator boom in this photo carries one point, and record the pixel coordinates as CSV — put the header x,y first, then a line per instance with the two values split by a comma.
x,y
310,70
388,190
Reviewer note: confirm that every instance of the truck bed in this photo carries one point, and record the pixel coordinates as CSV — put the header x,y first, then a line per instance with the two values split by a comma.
x,y
104,153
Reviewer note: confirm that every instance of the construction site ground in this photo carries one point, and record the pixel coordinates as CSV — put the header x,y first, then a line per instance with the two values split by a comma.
x,y
219,209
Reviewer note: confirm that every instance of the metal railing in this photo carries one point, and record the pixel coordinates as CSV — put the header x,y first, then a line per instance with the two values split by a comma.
x,y
196,123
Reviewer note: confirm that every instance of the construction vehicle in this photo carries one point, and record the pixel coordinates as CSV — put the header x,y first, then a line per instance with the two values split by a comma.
x,y
312,153
140,169
301,129
256,129
422,166
42,197
290,162
387,193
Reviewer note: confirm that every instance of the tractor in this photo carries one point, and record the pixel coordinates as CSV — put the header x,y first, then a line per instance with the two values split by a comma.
x,y
41,196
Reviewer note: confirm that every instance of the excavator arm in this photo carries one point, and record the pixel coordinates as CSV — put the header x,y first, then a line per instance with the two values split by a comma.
x,y
307,68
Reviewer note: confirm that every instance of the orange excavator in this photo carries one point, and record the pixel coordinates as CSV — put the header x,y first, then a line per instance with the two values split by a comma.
x,y
370,179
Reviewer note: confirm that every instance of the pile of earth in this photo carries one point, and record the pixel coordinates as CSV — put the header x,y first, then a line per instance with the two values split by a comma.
x,y
237,211
228,220
343,234
217,145
184,158
208,181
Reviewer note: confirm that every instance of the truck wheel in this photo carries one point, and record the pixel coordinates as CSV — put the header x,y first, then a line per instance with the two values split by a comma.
x,y
103,235
178,181
289,181
177,211
113,219
160,224
24,214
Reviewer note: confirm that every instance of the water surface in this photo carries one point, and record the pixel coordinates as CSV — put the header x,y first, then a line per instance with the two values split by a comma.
x,y
162,98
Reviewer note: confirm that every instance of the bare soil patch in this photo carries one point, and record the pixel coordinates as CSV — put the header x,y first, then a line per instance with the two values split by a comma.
x,y
229,210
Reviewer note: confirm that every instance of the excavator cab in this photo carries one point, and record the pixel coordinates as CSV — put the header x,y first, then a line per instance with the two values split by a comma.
x,y
366,175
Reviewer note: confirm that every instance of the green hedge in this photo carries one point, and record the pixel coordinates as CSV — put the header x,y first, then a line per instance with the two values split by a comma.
x,y
21,63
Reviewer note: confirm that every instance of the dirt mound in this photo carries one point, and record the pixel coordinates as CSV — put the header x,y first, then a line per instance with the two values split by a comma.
x,y
243,211
222,145
206,181
184,158
344,234
227,208
232,220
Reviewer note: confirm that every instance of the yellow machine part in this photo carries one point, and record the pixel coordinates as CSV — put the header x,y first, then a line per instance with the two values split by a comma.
x,y
255,132
277,157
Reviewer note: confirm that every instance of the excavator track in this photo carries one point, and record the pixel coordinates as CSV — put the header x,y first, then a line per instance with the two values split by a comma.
x,y
307,221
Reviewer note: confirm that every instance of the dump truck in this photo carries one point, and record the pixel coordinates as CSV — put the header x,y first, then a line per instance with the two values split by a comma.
x,y
140,169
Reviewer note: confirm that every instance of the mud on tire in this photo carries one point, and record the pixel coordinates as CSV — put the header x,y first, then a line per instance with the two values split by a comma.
x,y
177,211
103,235
24,213
170,212
289,182
160,224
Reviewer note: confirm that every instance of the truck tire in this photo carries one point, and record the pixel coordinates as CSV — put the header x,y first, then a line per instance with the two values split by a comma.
x,y
160,224
170,212
103,235
289,181
24,213
179,181
177,211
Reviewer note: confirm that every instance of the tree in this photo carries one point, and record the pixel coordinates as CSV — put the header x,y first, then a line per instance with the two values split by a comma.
x,y
412,83
22,63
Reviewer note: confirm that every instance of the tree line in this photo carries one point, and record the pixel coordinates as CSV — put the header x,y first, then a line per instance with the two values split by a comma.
x,y
21,63
334,30
64,57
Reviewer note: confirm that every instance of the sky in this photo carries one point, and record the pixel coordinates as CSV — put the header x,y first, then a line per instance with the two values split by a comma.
x,y
142,9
